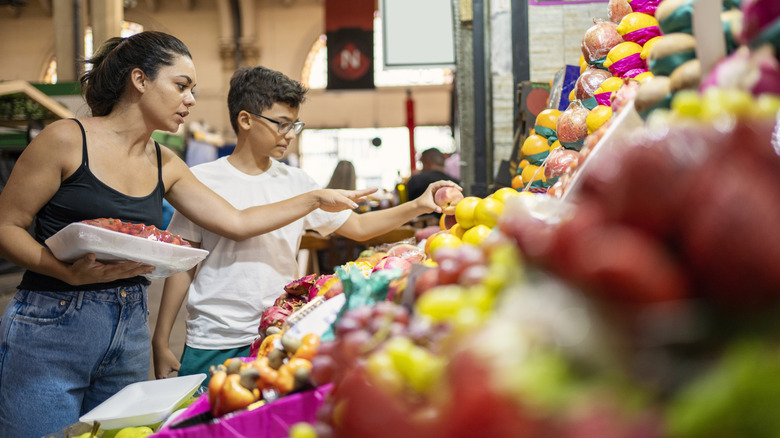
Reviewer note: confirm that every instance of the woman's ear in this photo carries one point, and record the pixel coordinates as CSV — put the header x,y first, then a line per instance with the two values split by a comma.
x,y
138,77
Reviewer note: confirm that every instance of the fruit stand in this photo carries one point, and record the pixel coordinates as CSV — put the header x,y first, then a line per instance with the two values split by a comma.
x,y
626,285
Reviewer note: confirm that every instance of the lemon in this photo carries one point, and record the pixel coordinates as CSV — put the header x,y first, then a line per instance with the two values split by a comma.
x,y
487,212
610,84
635,21
622,50
556,144
642,77
476,235
534,144
648,46
505,193
548,118
687,103
464,211
457,230
597,117
572,96
443,240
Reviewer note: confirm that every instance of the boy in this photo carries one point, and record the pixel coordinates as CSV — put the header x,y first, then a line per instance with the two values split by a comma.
x,y
238,280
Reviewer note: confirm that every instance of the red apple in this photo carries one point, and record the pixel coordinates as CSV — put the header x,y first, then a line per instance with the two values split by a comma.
x,y
447,198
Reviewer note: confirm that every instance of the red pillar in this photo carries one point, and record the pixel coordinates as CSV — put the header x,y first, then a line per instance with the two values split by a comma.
x,y
410,125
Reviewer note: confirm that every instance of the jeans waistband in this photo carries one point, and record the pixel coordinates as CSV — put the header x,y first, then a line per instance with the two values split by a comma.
x,y
124,294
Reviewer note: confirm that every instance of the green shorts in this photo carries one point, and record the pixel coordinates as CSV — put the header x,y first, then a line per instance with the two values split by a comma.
x,y
195,360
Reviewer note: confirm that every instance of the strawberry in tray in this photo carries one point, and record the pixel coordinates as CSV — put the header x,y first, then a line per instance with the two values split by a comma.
x,y
149,232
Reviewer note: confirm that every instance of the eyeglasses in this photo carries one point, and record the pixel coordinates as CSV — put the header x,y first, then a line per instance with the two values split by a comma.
x,y
283,127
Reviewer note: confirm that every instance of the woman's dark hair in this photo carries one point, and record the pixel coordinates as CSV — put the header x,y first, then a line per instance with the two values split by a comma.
x,y
257,88
112,63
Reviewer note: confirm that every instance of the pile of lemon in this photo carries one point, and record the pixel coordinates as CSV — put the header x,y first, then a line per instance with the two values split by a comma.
x,y
475,219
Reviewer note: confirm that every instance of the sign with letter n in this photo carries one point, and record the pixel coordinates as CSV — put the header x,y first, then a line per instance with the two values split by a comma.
x,y
349,27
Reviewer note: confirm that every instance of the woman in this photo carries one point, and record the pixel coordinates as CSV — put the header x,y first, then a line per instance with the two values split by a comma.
x,y
75,334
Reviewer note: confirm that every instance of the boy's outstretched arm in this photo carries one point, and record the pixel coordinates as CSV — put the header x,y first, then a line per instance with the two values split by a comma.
x,y
364,226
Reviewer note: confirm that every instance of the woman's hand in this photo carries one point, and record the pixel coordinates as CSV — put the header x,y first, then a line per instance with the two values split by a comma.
x,y
334,200
427,201
88,270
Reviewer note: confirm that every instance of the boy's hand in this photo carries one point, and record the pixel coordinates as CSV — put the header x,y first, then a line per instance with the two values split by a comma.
x,y
426,200
165,362
333,200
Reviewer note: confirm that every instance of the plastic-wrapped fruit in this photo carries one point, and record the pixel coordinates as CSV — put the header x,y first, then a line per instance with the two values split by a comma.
x,y
572,127
617,9
589,81
558,162
599,39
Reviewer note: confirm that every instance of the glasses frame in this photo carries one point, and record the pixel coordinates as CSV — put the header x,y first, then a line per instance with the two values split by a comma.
x,y
282,127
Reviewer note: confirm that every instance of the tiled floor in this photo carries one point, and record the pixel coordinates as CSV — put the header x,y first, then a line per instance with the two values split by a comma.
x,y
8,284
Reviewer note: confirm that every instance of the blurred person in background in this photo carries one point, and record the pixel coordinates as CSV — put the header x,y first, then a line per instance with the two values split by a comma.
x,y
343,177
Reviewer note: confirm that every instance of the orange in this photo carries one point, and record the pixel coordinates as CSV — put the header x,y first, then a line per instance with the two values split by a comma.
x,y
487,212
476,235
517,182
464,211
548,118
533,173
534,144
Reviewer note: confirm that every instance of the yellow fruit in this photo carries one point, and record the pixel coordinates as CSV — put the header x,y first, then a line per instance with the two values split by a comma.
x,y
635,21
464,211
597,117
505,193
487,212
768,105
534,144
556,144
134,432
533,173
610,84
522,164
429,263
548,118
622,50
642,77
647,47
457,230
476,235
572,96
517,182
443,240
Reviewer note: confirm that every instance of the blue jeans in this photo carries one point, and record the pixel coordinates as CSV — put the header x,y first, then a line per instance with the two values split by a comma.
x,y
63,353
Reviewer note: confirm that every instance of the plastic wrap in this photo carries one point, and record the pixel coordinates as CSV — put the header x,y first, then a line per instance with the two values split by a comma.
x,y
599,39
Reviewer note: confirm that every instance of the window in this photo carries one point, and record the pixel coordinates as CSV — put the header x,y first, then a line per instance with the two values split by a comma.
x,y
128,28
315,70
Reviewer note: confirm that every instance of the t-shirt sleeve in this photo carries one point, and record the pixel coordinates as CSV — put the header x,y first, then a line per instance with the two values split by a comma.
x,y
185,228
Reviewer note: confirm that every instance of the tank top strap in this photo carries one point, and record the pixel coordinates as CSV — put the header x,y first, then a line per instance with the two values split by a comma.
x,y
84,157
159,162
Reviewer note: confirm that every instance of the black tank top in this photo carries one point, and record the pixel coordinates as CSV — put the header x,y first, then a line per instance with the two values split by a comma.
x,y
83,196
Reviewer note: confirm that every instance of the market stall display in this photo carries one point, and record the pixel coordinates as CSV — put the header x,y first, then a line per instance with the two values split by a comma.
x,y
625,285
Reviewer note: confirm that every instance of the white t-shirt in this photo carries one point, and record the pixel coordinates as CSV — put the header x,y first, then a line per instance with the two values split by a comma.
x,y
238,280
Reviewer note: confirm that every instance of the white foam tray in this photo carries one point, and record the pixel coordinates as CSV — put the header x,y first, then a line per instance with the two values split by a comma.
x,y
78,239
143,403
